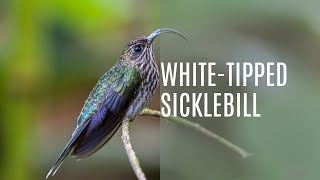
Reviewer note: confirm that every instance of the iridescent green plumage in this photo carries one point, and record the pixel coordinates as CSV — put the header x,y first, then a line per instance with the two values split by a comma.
x,y
121,82
119,78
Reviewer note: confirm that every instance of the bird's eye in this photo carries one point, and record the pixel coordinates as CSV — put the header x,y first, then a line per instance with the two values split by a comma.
x,y
138,48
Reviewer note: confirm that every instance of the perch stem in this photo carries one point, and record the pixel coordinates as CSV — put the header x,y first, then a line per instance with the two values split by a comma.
x,y
130,152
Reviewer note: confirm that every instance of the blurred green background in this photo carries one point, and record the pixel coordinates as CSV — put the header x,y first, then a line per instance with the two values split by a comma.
x,y
53,52
51,55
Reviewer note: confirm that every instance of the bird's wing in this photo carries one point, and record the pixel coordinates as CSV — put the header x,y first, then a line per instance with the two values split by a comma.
x,y
108,118
117,82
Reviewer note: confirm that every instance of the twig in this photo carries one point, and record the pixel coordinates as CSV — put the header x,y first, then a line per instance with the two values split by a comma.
x,y
131,154
197,127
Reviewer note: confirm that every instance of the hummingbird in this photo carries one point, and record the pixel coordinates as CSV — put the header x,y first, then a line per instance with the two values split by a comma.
x,y
122,92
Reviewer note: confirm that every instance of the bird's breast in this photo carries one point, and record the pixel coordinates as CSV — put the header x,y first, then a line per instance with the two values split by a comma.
x,y
146,90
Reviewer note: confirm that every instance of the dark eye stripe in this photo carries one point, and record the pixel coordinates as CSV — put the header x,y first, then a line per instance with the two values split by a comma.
x,y
140,54
137,48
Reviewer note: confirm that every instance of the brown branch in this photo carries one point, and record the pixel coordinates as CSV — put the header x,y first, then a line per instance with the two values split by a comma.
x,y
195,126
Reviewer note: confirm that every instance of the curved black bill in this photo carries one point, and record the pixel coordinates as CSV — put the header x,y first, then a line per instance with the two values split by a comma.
x,y
157,32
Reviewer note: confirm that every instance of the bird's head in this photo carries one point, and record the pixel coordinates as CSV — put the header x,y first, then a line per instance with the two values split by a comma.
x,y
141,48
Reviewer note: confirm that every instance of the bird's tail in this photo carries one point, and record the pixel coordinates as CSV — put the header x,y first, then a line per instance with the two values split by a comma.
x,y
66,149
61,158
